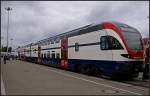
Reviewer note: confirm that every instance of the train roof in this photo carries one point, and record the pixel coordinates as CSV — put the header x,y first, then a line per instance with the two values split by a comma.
x,y
81,30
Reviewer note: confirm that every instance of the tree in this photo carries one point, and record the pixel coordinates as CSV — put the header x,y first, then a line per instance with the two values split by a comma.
x,y
9,49
4,49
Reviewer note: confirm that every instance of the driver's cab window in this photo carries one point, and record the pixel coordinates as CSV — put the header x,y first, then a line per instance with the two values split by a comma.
x,y
109,43
104,43
115,44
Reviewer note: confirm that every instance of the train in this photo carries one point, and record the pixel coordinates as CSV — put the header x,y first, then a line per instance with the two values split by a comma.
x,y
108,48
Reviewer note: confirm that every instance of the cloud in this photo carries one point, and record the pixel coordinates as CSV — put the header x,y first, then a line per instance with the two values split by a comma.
x,y
31,21
133,13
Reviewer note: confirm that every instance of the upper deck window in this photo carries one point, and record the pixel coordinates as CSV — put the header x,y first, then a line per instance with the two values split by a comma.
x,y
48,43
34,50
57,41
90,29
52,42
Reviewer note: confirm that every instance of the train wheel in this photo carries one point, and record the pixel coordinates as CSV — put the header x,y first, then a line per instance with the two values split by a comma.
x,y
78,69
95,71
85,69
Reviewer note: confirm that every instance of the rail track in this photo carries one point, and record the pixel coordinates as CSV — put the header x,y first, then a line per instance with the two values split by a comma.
x,y
137,82
133,81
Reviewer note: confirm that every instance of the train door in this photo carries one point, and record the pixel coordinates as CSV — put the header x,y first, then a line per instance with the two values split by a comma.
x,y
39,54
106,53
64,53
30,51
53,60
19,56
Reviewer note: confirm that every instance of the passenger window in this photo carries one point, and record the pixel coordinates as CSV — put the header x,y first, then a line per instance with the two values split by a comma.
x,y
53,55
57,41
57,56
52,42
48,54
45,55
34,50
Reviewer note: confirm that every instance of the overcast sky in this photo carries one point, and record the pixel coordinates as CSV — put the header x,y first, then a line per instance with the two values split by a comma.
x,y
31,21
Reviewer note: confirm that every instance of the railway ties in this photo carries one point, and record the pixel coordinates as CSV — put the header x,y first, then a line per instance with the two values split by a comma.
x,y
138,83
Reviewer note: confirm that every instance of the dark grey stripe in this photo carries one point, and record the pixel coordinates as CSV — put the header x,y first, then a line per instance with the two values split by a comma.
x,y
80,45
88,44
51,48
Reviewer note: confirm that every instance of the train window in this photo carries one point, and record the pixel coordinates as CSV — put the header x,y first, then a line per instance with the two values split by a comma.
x,y
76,47
34,50
45,55
114,43
52,42
109,43
104,43
57,56
53,55
48,54
57,41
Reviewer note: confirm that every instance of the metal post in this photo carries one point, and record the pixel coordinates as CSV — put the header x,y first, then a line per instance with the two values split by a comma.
x,y
8,9
11,43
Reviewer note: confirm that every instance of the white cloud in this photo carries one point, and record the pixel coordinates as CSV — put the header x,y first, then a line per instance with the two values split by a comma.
x,y
31,21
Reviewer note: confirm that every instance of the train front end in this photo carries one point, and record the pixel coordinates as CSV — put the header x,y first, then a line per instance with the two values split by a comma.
x,y
134,53
134,46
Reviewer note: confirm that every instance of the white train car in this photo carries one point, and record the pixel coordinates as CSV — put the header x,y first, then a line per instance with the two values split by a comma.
x,y
105,48
21,52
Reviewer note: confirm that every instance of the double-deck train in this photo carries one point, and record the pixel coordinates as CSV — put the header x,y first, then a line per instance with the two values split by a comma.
x,y
110,48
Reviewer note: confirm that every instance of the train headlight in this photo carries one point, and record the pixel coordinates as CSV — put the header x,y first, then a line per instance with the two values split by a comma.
x,y
126,55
